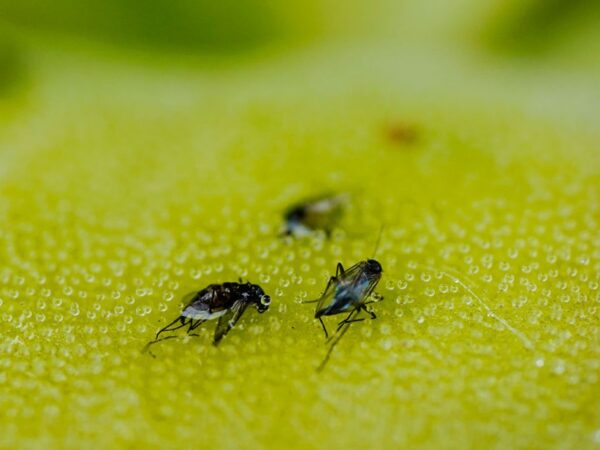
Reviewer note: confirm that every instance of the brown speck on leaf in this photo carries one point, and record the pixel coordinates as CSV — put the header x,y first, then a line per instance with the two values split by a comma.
x,y
402,134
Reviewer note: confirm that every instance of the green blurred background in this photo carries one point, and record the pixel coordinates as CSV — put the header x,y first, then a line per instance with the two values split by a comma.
x,y
528,27
560,34
527,31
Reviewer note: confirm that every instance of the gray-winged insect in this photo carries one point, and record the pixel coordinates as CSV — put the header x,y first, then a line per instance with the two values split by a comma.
x,y
349,291
226,302
319,213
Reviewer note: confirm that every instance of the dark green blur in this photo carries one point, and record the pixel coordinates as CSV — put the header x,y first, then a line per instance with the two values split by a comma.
x,y
12,70
188,25
227,28
536,27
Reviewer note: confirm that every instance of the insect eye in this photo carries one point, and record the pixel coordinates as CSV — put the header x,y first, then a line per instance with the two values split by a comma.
x,y
265,300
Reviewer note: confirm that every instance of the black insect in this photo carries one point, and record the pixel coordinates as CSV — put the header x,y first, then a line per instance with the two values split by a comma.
x,y
349,291
226,302
320,213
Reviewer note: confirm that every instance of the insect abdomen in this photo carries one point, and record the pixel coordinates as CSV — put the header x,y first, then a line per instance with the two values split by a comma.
x,y
202,314
340,304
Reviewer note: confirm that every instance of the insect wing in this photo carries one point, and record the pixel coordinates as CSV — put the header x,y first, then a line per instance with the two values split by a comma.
x,y
351,274
360,283
228,320
322,205
189,297
345,278
328,295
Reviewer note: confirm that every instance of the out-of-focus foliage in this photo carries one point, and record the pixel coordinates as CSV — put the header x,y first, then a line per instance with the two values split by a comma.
x,y
11,65
559,35
540,26
213,26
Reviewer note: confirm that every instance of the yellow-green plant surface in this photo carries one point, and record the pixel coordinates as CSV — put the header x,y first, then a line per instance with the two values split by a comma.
x,y
127,182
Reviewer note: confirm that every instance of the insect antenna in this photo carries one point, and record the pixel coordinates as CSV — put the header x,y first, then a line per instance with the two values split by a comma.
x,y
378,241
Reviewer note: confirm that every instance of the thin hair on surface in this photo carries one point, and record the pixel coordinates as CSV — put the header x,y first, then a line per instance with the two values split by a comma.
x,y
452,275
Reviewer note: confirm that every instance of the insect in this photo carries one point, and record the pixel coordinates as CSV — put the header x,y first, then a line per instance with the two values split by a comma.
x,y
226,302
320,213
349,291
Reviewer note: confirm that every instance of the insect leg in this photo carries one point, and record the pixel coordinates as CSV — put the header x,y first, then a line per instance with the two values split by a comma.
x,y
332,280
167,328
195,325
324,329
371,313
345,321
147,346
377,297
339,270
349,319
374,295
371,301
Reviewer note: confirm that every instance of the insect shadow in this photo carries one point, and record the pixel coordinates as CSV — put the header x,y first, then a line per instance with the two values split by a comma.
x,y
348,291
225,302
